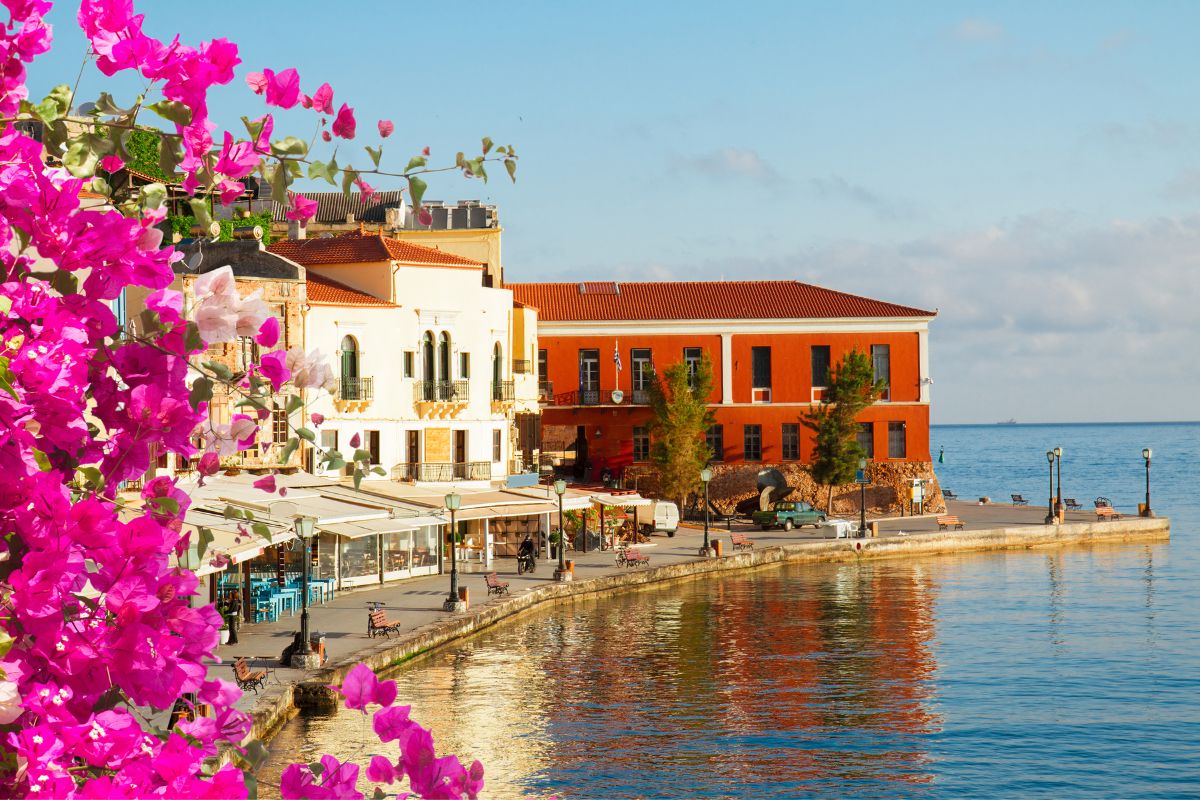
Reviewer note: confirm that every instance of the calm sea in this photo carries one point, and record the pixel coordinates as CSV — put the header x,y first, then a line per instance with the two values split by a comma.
x,y
1053,673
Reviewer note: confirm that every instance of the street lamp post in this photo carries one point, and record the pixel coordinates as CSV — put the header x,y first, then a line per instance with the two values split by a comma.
x,y
862,498
304,530
705,477
453,501
1050,502
1058,506
560,488
1146,453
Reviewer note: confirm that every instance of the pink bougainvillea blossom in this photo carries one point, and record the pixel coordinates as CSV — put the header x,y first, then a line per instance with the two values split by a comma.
x,y
273,367
257,82
322,99
367,191
283,88
268,333
266,483
300,208
317,419
386,128
325,137
111,163
309,371
344,125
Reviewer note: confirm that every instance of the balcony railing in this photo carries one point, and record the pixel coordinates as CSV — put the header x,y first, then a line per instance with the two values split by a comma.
x,y
522,366
441,391
545,391
356,389
595,397
443,472
502,391
640,397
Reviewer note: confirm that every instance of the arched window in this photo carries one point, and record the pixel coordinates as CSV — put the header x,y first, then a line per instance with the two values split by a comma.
x,y
497,363
349,357
444,357
427,362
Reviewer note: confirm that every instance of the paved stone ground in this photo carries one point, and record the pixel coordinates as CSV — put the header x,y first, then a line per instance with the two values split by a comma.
x,y
417,601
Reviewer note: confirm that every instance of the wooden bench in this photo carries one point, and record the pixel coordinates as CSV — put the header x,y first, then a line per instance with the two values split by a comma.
x,y
495,585
1018,500
1072,504
741,541
949,521
247,678
1106,512
379,625
949,495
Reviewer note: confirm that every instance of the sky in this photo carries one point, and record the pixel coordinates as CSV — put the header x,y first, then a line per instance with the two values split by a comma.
x,y
1030,170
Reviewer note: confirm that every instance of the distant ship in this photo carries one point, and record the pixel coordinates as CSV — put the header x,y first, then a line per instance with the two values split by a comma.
x,y
1007,422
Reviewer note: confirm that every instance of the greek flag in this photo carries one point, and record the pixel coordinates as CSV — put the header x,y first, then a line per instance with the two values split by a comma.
x,y
617,355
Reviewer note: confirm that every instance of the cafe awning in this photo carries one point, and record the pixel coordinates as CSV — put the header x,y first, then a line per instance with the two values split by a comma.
x,y
502,512
372,527
621,500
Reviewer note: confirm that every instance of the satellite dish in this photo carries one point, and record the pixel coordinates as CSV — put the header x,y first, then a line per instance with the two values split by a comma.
x,y
618,396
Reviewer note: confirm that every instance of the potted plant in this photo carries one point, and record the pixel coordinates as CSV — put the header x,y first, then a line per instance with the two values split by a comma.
x,y
553,540
224,630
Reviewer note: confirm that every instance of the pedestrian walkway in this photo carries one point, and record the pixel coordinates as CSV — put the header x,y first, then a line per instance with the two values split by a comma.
x,y
417,602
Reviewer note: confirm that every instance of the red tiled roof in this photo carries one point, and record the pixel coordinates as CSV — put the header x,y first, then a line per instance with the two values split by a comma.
x,y
323,291
357,247
699,300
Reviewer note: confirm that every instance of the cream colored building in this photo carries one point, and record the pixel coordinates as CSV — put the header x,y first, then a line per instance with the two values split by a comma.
x,y
435,366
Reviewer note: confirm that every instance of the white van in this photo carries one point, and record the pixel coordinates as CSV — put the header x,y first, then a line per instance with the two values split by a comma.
x,y
663,516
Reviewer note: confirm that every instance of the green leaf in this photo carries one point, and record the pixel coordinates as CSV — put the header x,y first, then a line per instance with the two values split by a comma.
x,y
254,127
204,537
81,158
191,339
253,756
56,105
172,111
202,392
358,478
362,455
100,186
335,463
316,768
170,153
167,505
294,404
106,106
153,195
511,166
93,476
218,369
306,434
42,460
487,145
290,146
6,643
6,378
319,169
349,175
416,190
261,530
279,184
378,471
416,163
290,448
375,153
200,211
65,283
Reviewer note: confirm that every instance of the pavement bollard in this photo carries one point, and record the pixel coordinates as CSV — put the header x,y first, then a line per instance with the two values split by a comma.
x,y
571,566
717,547
464,594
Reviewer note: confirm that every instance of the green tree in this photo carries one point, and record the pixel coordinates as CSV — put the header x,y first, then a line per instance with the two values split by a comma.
x,y
852,388
679,401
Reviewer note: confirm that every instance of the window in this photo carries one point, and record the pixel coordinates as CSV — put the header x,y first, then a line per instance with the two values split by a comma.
x,y
760,367
279,426
589,370
881,360
752,442
641,443
496,445
427,361
329,440
543,366
791,441
248,352
866,438
373,446
464,365
410,360
692,357
444,357
820,366
896,443
643,368
714,437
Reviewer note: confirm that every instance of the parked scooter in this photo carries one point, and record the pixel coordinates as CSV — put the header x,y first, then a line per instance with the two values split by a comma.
x,y
526,562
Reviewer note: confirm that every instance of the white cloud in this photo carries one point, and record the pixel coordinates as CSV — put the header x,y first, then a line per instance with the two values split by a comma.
x,y
837,187
731,163
977,30
1184,186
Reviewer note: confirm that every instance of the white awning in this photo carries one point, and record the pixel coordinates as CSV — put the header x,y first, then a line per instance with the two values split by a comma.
x,y
501,512
622,500
371,527
229,541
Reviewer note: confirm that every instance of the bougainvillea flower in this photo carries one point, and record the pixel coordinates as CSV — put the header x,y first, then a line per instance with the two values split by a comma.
x,y
266,483
367,191
309,371
257,82
344,126
317,419
386,128
322,99
300,208
362,688
268,333
111,163
381,770
283,89
273,367
391,723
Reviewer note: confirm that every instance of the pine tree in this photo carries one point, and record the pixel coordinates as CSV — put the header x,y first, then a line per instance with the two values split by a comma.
x,y
852,388
681,420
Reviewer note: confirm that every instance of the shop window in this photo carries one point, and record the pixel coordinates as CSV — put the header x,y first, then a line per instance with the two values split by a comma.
x,y
641,443
752,442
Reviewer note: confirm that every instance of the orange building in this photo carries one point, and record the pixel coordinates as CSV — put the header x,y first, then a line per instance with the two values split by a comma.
x,y
771,344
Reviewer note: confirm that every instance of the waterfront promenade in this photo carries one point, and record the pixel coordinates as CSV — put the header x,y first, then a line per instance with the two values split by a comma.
x,y
416,603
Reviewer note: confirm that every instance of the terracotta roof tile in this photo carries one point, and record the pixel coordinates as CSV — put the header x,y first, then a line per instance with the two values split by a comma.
x,y
699,300
323,291
357,248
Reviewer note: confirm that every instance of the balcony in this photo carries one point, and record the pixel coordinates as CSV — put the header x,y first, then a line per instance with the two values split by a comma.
x,y
545,392
502,391
440,399
595,397
354,394
522,366
433,472
640,397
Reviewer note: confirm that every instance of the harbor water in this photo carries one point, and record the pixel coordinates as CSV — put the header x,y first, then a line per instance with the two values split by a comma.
x,y
1070,672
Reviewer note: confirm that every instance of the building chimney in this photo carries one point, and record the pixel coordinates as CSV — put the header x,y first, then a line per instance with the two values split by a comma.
x,y
297,230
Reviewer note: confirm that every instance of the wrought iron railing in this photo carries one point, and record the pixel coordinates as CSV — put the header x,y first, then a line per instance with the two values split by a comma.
x,y
502,391
356,389
522,366
441,391
442,472
640,397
